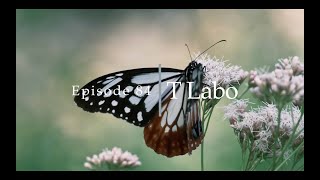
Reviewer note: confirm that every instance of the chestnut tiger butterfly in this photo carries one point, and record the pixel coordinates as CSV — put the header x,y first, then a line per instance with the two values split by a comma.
x,y
177,129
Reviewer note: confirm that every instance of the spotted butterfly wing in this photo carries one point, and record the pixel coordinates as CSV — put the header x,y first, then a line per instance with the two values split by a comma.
x,y
177,131
135,105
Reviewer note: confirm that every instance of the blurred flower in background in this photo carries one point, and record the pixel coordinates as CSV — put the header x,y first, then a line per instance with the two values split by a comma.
x,y
284,84
114,159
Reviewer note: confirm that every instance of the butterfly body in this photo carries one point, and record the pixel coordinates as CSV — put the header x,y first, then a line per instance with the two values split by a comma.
x,y
178,129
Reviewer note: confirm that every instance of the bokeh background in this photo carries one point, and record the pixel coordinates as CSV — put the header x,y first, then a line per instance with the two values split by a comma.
x,y
56,49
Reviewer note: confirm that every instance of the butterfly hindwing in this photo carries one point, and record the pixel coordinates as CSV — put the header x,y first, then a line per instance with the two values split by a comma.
x,y
193,113
194,127
179,128
140,100
166,134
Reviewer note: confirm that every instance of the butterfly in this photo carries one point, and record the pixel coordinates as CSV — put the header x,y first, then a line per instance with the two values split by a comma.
x,y
172,130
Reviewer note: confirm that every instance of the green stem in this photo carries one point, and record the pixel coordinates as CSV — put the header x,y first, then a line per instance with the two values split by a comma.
x,y
202,164
243,159
205,117
300,168
255,164
207,125
295,162
202,144
292,137
249,157
248,161
243,93
282,163
276,137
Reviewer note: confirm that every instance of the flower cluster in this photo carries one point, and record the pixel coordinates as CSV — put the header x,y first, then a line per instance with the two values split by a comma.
x,y
284,84
218,76
112,159
259,125
224,75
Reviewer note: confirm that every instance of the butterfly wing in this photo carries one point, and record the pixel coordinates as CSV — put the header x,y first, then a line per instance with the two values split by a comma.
x,y
194,126
131,95
179,128
193,113
167,134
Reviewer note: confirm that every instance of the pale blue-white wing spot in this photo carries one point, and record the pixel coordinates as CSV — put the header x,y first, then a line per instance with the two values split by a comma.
x,y
152,99
134,104
175,105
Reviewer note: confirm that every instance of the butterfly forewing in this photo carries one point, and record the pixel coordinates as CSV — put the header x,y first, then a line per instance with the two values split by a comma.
x,y
138,103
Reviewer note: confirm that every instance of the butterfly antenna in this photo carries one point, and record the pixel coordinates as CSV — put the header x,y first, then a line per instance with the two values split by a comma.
x,y
209,48
189,51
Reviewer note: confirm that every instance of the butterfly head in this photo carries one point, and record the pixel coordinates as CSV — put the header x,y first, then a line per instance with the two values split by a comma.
x,y
193,71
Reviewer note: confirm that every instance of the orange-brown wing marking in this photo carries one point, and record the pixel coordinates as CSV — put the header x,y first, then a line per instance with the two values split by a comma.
x,y
165,139
167,135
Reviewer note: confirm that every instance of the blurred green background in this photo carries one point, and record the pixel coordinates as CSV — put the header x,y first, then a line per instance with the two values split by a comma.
x,y
60,48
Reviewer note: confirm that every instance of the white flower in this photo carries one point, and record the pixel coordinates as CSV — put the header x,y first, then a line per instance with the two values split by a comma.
x,y
115,158
287,81
261,145
260,123
252,120
87,165
218,71
269,112
234,109
293,64
264,135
